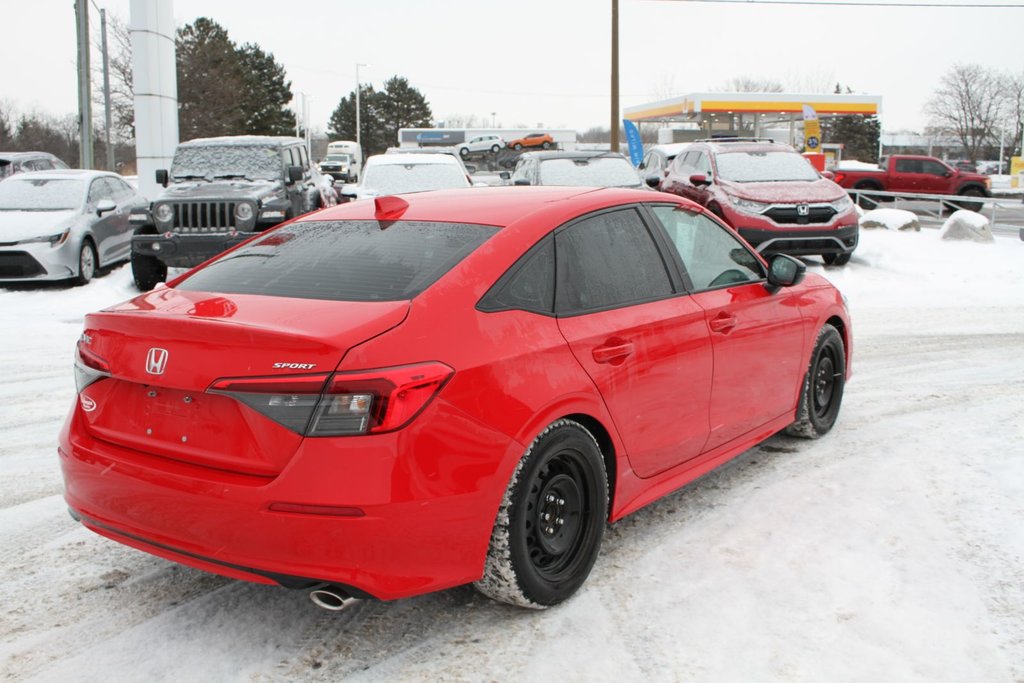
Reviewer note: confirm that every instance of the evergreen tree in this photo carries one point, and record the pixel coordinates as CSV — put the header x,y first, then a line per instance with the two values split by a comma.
x,y
342,124
859,135
210,81
265,98
402,106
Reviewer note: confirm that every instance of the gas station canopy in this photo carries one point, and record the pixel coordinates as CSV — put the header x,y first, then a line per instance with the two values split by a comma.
x,y
694,107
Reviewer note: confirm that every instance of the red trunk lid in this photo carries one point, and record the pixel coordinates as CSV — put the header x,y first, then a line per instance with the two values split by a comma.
x,y
156,401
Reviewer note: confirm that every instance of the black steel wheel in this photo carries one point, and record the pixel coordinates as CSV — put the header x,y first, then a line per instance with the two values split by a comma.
x,y
551,520
972,206
822,392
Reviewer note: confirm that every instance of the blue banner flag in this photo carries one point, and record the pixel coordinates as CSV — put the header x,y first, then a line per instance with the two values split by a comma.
x,y
636,148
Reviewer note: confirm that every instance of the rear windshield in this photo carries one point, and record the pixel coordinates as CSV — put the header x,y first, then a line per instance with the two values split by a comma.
x,y
343,260
599,171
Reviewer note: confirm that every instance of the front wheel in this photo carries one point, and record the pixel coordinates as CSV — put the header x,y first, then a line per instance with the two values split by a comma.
x,y
495,149
546,145
972,206
550,522
147,271
464,152
822,391
86,262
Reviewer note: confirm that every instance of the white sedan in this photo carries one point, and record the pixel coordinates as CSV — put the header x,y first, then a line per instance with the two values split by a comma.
x,y
385,174
481,143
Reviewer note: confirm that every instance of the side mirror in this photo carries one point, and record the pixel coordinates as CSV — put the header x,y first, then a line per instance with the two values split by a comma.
x,y
521,181
161,176
699,179
104,206
653,181
785,271
505,175
294,174
828,175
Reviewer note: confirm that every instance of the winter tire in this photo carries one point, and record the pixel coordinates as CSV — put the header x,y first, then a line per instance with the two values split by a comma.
x,y
865,201
972,206
550,522
87,262
836,259
517,147
495,149
464,152
546,145
822,391
147,271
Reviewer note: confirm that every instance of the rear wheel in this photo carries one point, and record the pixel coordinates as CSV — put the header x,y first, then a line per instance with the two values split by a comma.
x,y
86,262
147,271
836,259
495,149
550,522
464,152
822,391
864,201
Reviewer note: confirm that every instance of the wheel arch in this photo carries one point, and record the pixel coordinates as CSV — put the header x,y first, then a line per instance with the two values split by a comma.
x,y
967,187
607,446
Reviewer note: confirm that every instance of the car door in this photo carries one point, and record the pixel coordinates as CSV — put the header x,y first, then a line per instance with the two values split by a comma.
x,y
757,336
126,199
934,177
105,229
907,176
644,344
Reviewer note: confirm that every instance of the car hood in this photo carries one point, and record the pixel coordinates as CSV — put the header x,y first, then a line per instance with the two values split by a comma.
x,y
22,225
219,189
786,192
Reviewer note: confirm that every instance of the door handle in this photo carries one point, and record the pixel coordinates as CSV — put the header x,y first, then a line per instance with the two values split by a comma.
x,y
614,353
723,322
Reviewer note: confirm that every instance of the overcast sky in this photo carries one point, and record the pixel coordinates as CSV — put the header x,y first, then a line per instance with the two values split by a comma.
x,y
546,62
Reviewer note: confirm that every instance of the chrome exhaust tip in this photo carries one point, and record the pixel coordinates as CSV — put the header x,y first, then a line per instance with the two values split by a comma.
x,y
331,599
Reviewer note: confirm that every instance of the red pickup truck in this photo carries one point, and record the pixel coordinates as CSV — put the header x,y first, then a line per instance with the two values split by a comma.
x,y
920,175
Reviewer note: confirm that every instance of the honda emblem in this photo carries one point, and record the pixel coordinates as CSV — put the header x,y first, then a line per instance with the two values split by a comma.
x,y
156,361
803,210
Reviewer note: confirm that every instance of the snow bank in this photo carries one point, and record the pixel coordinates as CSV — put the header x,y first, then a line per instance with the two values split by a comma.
x,y
854,165
890,219
967,225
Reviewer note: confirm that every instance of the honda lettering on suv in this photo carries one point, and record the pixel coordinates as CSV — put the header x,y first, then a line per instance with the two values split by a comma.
x,y
768,193
394,396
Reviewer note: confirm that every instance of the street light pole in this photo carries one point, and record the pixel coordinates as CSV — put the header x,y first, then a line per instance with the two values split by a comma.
x,y
493,119
615,77
106,91
358,112
84,93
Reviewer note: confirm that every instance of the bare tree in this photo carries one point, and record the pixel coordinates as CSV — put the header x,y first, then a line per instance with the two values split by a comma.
x,y
122,96
752,84
968,104
1013,109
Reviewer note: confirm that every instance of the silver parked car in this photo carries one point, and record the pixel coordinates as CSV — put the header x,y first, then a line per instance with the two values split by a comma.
x,y
64,225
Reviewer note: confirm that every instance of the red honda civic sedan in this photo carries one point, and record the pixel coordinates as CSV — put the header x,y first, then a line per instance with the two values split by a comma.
x,y
397,396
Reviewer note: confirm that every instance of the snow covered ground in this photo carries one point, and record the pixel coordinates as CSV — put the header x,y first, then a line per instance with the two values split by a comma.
x,y
892,549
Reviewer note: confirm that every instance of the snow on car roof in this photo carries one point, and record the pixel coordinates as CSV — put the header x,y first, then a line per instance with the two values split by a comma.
x,y
64,173
403,158
275,140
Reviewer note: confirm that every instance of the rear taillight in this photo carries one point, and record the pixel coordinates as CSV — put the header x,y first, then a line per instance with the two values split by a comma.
x,y
89,367
343,404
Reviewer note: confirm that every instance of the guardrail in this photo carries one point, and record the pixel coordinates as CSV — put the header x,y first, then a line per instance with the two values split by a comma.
x,y
944,202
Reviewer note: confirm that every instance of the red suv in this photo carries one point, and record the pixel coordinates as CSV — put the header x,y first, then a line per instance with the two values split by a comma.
x,y
393,396
768,193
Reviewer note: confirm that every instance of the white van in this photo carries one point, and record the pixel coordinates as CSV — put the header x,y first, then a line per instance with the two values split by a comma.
x,y
352,149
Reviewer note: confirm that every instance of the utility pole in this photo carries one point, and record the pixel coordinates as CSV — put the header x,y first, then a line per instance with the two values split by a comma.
x,y
84,98
106,91
615,77
358,108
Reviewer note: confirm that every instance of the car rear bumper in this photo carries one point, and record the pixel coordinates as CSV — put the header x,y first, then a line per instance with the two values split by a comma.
x,y
427,503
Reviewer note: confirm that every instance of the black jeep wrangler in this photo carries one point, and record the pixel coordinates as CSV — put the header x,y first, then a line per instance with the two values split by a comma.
x,y
219,192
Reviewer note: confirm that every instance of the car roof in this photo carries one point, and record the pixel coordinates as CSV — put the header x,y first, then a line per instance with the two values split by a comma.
x,y
671,148
64,174
744,145
243,140
15,156
499,206
578,154
406,158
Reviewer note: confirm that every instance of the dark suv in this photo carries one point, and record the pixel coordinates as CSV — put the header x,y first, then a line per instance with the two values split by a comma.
x,y
768,193
219,191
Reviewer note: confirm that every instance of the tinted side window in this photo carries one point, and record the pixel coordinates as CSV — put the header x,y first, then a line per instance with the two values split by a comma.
x,y
608,260
99,190
529,285
933,168
342,260
908,165
710,254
